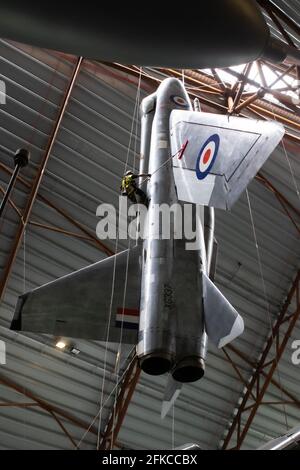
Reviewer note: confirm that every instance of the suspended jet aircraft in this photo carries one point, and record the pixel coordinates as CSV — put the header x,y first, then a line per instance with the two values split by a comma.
x,y
289,441
216,33
164,297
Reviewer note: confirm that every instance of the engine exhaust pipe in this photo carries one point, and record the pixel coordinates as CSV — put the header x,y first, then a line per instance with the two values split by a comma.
x,y
156,363
189,369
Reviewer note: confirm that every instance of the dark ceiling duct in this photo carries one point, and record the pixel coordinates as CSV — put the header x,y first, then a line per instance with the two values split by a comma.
x,y
216,33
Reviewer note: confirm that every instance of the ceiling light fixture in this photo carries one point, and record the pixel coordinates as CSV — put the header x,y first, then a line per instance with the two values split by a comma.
x,y
60,344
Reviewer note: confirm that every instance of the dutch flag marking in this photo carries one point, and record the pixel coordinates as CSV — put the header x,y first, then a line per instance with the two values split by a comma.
x,y
128,317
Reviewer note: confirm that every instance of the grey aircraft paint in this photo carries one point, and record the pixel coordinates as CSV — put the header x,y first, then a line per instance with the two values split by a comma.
x,y
171,335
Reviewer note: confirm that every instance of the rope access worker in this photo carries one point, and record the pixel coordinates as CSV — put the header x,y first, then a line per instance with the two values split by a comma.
x,y
131,190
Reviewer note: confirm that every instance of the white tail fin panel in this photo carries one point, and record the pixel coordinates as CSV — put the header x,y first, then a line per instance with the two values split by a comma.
x,y
222,156
222,322
172,392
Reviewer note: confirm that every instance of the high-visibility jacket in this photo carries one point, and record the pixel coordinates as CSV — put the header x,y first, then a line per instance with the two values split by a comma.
x,y
127,184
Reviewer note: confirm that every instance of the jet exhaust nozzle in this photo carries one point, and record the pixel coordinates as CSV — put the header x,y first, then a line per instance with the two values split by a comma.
x,y
189,369
156,363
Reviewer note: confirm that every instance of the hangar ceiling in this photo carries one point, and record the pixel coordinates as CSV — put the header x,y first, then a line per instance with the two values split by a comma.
x,y
79,118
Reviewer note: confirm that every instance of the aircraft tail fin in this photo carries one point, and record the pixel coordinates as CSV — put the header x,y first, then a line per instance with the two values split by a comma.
x,y
221,157
82,304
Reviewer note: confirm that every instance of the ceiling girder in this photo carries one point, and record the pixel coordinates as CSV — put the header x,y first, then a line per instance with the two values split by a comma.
x,y
260,378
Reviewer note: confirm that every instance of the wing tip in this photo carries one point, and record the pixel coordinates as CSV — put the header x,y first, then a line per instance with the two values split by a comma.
x,y
16,323
236,330
165,409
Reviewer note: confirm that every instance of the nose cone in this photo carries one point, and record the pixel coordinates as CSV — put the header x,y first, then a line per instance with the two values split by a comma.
x,y
189,369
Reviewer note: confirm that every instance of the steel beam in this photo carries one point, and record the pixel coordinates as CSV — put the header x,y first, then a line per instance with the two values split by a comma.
x,y
260,380
276,191
284,202
64,429
282,98
261,74
265,109
53,228
118,412
219,80
11,404
274,18
270,110
280,14
38,179
253,365
89,236
12,204
240,89
46,405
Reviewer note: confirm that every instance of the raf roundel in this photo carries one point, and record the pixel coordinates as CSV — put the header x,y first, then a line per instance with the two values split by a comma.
x,y
207,156
179,101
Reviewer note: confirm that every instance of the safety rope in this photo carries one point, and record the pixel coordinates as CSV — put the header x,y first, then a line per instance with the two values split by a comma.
x,y
135,117
266,298
173,426
106,400
114,277
180,151
258,256
289,164
291,169
24,262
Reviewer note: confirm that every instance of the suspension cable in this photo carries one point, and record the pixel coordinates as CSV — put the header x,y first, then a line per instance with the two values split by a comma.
x,y
266,298
114,277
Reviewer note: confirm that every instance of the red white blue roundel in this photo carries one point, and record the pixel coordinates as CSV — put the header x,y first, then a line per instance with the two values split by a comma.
x,y
207,156
179,101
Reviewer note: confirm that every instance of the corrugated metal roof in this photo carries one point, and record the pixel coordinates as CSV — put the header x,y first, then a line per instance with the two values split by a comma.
x,y
291,8
84,170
